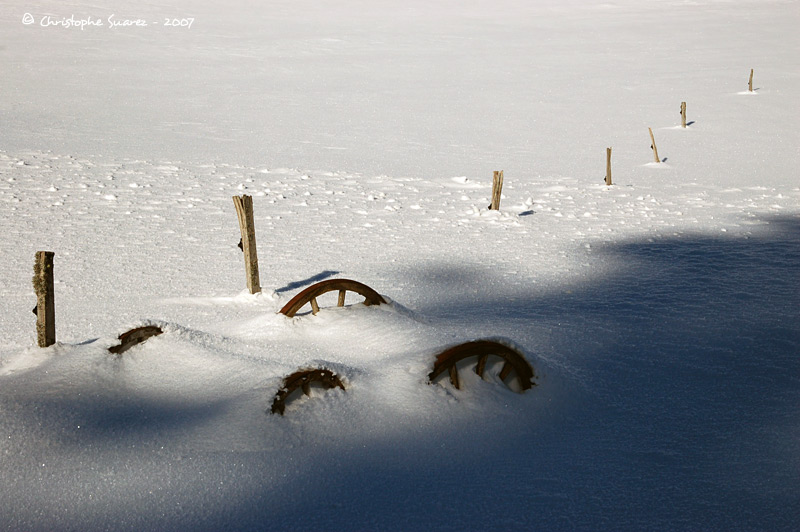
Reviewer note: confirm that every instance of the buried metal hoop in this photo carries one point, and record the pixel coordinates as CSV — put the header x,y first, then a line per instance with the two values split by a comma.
x,y
302,379
134,337
514,361
310,295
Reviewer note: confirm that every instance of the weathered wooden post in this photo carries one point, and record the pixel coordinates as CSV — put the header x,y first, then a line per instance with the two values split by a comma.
x,y
683,114
497,189
244,211
608,166
45,299
653,145
750,83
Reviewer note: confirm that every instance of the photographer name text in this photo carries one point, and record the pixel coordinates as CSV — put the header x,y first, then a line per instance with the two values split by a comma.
x,y
111,22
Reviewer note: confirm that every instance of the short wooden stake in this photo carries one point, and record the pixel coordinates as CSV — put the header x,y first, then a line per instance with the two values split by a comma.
x,y
683,114
750,83
653,145
608,166
497,189
45,298
244,211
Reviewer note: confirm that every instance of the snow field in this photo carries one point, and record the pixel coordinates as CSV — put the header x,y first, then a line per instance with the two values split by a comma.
x,y
172,243
660,314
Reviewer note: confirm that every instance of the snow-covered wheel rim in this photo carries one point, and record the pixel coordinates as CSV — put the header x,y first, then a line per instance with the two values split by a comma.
x,y
134,337
514,361
302,379
310,295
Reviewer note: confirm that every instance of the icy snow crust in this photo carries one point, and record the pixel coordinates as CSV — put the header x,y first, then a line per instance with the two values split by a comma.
x,y
661,314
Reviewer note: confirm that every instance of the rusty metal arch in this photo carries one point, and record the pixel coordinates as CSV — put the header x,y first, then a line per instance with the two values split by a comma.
x,y
310,295
134,337
303,378
514,361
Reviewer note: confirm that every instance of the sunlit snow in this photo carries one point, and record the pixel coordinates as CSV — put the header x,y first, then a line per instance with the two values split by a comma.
x,y
661,314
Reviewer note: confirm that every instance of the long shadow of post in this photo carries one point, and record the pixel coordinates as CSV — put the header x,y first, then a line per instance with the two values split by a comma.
x,y
305,282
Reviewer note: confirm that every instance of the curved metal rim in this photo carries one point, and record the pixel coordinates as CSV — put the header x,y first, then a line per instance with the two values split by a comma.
x,y
514,360
302,378
134,337
312,292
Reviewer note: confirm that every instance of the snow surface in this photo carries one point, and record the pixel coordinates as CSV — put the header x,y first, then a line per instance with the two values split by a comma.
x,y
661,314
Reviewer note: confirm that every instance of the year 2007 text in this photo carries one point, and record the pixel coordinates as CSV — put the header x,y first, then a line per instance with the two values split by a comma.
x,y
179,22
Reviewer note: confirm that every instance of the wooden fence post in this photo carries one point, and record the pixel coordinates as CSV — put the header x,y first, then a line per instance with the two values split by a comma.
x,y
497,189
653,145
608,166
244,211
683,114
750,83
45,299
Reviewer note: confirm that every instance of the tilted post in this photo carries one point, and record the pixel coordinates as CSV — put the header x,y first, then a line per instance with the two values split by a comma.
x,y
608,166
750,83
497,189
45,299
244,211
653,145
